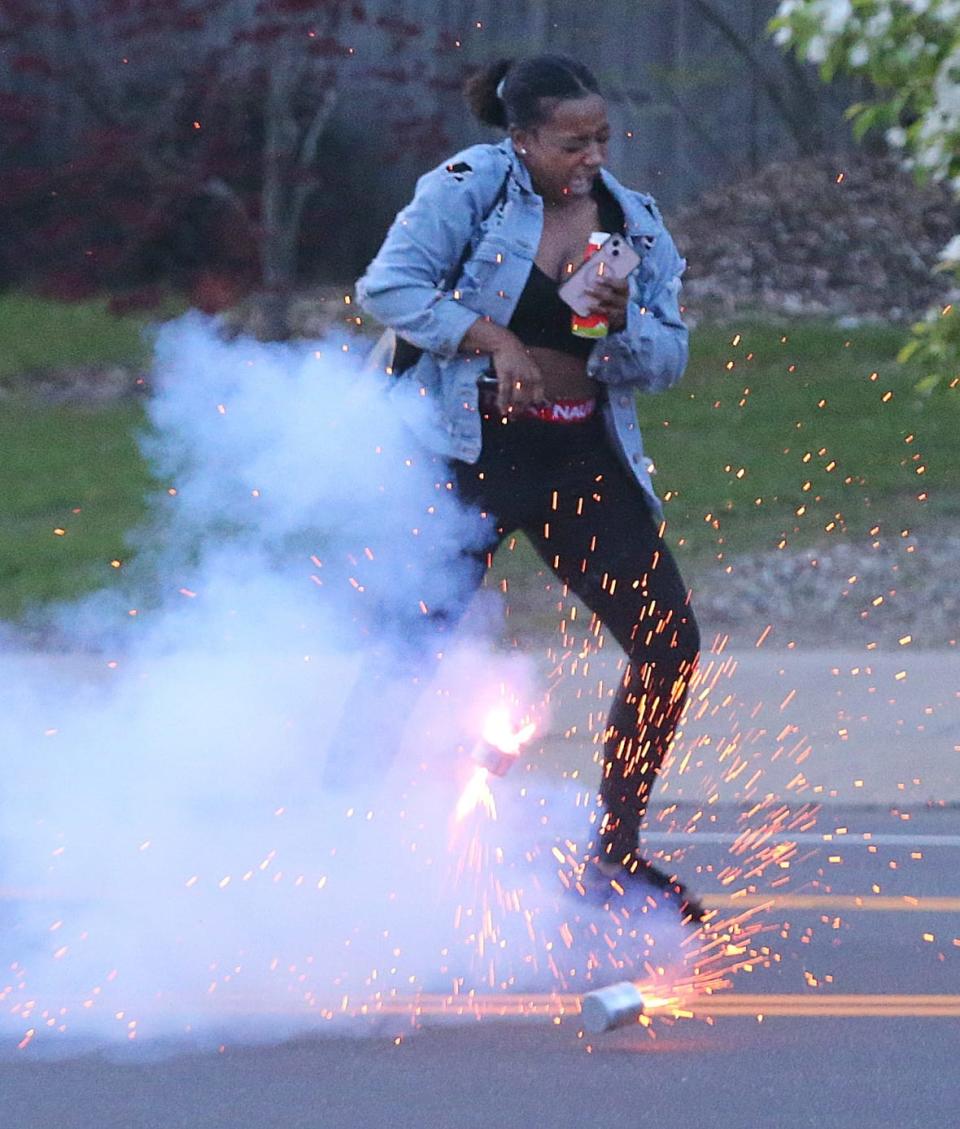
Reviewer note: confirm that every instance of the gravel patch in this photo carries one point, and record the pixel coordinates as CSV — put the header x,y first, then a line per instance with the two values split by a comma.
x,y
849,236
82,385
892,592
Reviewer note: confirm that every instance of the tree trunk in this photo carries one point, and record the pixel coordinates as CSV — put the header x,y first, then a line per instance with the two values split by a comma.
x,y
277,258
290,153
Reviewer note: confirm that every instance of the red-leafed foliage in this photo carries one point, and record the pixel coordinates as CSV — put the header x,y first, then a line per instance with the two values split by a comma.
x,y
399,27
326,47
149,143
33,64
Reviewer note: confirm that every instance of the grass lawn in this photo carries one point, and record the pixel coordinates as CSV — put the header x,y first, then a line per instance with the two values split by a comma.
x,y
799,434
793,436
40,334
786,438
73,471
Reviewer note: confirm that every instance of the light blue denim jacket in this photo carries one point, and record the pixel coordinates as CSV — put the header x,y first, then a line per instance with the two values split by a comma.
x,y
483,199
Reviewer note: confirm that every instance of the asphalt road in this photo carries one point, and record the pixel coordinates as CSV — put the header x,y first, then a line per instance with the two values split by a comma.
x,y
849,1017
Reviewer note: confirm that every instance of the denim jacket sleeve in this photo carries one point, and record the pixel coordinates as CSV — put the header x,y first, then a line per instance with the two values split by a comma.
x,y
405,285
650,353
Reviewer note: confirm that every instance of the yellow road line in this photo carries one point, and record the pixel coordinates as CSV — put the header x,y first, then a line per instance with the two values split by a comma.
x,y
554,1007
701,1007
868,902
829,1004
901,903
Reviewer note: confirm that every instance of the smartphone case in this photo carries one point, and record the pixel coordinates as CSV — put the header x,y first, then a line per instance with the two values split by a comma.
x,y
615,259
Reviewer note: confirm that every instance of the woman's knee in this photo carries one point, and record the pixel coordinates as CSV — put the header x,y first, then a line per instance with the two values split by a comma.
x,y
673,639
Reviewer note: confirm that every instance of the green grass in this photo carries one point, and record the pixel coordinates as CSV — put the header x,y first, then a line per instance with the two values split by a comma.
x,y
732,464
72,470
79,470
39,333
813,433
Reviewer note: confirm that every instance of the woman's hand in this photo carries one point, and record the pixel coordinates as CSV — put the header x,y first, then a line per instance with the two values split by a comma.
x,y
519,379
610,297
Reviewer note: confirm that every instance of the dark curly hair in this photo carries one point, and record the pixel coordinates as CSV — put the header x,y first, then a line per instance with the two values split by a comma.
x,y
529,88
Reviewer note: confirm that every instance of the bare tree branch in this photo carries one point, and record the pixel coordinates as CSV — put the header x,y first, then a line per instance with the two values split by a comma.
x,y
808,138
314,131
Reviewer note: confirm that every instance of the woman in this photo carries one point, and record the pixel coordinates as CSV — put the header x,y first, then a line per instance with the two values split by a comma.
x,y
540,425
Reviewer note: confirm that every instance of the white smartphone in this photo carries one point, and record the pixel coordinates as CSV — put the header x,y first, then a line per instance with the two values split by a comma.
x,y
615,259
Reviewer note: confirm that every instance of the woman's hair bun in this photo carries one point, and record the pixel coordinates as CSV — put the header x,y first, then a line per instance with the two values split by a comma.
x,y
480,90
530,91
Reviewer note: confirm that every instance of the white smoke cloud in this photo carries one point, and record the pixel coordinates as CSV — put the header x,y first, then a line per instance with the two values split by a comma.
x,y
171,861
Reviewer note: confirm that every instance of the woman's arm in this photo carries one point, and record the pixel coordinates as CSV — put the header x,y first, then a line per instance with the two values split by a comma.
x,y
650,351
404,285
519,379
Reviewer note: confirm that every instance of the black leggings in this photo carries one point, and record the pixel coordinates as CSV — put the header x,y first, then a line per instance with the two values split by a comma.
x,y
589,520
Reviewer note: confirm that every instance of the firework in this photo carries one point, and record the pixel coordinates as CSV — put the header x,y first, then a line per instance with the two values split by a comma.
x,y
617,1005
496,761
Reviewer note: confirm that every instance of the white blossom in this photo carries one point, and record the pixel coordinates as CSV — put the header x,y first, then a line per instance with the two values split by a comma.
x,y
946,85
951,253
859,55
878,25
835,16
915,45
930,150
817,49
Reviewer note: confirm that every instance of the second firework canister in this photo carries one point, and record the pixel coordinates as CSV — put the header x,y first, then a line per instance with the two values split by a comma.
x,y
618,1005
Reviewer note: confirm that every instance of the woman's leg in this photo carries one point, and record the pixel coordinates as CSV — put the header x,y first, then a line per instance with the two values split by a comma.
x,y
599,537
507,487
399,660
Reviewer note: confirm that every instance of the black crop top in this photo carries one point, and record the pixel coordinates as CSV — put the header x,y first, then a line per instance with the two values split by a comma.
x,y
542,318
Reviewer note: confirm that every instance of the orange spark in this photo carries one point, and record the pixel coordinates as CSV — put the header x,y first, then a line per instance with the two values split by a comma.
x,y
476,794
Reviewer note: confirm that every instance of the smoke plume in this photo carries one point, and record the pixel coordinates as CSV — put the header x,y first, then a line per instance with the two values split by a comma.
x,y
172,862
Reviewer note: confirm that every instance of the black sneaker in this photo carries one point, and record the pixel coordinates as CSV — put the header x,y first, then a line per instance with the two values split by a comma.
x,y
635,874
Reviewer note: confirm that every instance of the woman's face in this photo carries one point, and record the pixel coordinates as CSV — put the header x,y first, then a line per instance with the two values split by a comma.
x,y
566,152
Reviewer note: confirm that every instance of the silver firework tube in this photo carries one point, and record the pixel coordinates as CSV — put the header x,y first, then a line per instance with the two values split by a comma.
x,y
618,1005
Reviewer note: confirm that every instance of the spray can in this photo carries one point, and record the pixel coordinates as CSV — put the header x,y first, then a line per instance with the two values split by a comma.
x,y
619,1005
592,326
